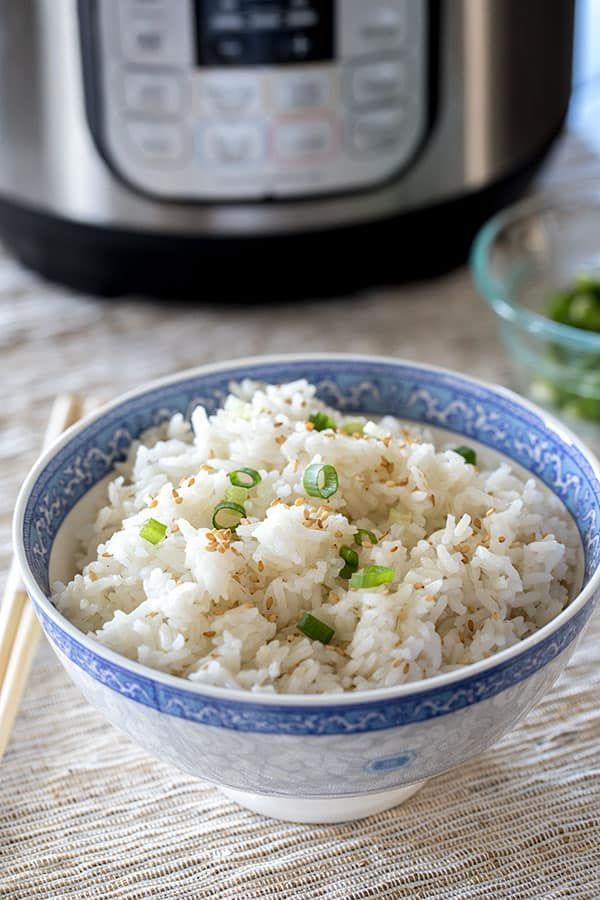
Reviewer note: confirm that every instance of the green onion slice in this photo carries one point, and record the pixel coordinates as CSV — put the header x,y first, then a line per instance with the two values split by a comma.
x,y
467,453
320,480
237,495
314,629
362,535
372,576
228,515
244,478
353,426
153,531
350,558
321,421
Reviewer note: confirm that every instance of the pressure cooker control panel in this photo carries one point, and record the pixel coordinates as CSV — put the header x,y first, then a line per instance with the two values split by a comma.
x,y
241,99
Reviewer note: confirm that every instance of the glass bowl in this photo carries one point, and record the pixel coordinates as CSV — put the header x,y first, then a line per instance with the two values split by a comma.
x,y
519,260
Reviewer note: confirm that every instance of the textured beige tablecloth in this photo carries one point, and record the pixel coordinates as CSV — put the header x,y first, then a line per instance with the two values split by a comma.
x,y
86,813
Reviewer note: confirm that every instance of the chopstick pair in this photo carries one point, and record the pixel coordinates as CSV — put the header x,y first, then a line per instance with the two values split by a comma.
x,y
19,626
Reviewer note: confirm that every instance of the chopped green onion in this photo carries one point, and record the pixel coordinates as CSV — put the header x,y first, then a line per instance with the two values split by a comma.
x,y
362,535
399,516
228,515
314,629
153,531
346,572
353,426
245,478
320,480
467,453
321,421
372,576
350,558
236,495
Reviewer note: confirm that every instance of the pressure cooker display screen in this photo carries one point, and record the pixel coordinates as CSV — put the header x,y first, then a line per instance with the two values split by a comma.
x,y
263,32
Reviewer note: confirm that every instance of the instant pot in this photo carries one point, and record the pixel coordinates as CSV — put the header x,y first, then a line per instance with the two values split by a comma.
x,y
268,148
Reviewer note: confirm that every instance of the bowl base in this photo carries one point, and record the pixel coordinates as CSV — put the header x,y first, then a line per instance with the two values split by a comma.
x,y
322,810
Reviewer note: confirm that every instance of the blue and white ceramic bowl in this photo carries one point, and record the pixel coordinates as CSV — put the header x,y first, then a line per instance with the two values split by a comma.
x,y
311,758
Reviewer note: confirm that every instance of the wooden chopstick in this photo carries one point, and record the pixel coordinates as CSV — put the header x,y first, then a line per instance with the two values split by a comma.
x,y
19,626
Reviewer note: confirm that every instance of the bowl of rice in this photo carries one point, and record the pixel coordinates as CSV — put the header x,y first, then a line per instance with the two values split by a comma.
x,y
315,581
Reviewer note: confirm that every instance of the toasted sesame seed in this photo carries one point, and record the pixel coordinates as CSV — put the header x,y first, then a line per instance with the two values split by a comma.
x,y
191,482
106,554
290,638
276,501
418,586
151,614
277,424
471,625
338,533
299,501
406,668
269,602
477,523
178,499
209,634
92,575
174,528
402,483
310,426
491,511
272,618
260,565
501,539
392,549
153,504
175,492
390,483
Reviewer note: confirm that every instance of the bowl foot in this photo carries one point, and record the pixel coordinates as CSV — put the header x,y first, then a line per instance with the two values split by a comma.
x,y
325,810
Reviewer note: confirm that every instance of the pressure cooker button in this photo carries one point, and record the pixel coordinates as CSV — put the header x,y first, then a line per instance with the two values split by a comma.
x,y
301,90
304,139
156,33
229,49
156,142
379,130
378,81
233,144
152,95
374,26
229,94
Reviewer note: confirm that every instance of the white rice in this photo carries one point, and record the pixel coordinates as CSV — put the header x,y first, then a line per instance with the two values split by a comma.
x,y
482,556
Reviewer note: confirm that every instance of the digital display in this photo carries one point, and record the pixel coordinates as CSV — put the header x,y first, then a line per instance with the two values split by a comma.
x,y
263,32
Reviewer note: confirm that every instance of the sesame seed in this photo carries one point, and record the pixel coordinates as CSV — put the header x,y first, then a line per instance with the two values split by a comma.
x,y
310,426
269,602
471,625
501,539
272,618
106,554
280,439
490,511
390,483
153,504
392,549
260,565
151,614
299,501
402,483
191,482
477,523
209,634
92,575
178,499
418,586
175,492
406,668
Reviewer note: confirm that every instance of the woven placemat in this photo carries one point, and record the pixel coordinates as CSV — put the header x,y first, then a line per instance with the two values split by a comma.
x,y
84,812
